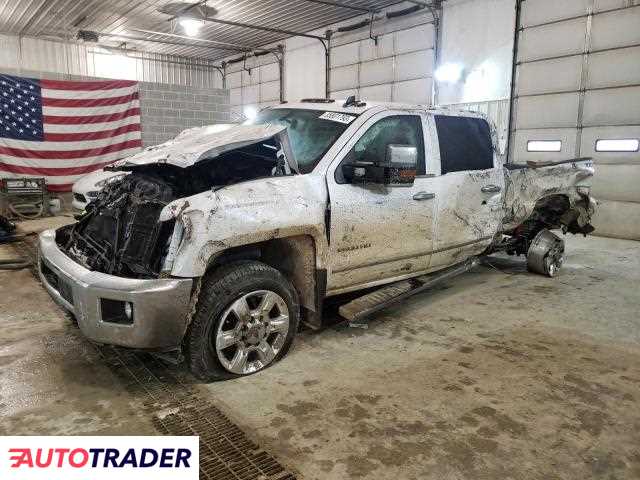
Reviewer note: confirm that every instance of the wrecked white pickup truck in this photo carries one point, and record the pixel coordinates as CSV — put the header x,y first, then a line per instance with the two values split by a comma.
x,y
219,243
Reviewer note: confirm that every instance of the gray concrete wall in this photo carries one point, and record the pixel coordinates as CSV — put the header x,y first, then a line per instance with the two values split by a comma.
x,y
169,109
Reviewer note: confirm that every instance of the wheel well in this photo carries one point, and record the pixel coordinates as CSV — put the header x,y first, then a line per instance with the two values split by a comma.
x,y
547,213
294,257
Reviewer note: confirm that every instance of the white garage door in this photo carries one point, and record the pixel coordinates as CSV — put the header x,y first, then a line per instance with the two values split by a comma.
x,y
577,94
398,69
253,84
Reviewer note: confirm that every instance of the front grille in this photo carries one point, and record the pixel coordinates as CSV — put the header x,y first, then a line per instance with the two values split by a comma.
x,y
79,197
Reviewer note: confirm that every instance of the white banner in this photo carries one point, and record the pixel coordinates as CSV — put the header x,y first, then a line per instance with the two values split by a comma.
x,y
99,458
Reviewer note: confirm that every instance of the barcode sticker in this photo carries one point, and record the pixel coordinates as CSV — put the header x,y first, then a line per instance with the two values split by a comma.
x,y
338,117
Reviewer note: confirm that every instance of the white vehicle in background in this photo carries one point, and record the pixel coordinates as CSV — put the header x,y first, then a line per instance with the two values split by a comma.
x,y
86,189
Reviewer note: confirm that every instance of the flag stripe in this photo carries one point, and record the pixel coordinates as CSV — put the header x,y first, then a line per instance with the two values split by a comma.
x,y
70,162
90,86
62,130
45,171
76,137
80,146
76,120
89,102
91,127
58,154
70,94
89,111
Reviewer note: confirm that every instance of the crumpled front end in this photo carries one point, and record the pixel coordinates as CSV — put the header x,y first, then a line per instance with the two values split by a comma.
x,y
122,233
138,313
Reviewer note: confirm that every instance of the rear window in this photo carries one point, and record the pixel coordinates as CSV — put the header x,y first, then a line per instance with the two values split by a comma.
x,y
465,143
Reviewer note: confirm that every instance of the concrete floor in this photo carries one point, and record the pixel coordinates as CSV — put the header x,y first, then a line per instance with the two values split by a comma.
x,y
499,374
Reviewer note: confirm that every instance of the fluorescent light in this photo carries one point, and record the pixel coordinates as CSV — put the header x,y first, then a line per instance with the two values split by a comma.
x,y
544,146
449,72
191,26
622,145
250,112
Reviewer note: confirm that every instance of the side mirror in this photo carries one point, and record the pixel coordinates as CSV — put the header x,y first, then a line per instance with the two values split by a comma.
x,y
399,168
400,164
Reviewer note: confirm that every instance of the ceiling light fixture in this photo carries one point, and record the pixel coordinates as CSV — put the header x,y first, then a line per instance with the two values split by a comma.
x,y
191,26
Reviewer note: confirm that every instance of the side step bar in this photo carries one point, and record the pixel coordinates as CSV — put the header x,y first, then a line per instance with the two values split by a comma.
x,y
384,297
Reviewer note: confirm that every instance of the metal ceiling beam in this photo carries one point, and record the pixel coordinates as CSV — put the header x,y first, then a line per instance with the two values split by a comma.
x,y
185,37
343,5
168,42
260,27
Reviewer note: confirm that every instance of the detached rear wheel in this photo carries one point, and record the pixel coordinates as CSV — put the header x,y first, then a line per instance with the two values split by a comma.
x,y
246,318
546,253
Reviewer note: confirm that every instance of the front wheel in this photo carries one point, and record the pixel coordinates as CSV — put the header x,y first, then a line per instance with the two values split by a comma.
x,y
246,317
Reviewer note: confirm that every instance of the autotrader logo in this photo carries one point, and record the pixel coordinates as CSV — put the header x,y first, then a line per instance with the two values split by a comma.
x,y
70,458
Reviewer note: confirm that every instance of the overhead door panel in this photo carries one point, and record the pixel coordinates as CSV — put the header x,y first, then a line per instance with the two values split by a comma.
x,y
253,83
396,66
614,68
553,40
576,94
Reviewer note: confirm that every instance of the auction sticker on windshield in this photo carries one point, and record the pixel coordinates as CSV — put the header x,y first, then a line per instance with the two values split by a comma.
x,y
338,117
99,458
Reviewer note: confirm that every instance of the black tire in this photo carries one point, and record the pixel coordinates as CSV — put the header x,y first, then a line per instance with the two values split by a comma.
x,y
219,290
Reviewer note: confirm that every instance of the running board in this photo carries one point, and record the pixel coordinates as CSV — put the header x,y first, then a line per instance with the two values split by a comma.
x,y
384,297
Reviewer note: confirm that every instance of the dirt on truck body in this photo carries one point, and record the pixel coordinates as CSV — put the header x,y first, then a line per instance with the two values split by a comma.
x,y
218,243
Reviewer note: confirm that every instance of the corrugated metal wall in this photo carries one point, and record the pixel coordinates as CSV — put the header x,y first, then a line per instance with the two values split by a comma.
x,y
399,68
31,54
254,83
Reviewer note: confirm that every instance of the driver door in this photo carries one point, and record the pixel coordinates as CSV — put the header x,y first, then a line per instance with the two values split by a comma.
x,y
380,232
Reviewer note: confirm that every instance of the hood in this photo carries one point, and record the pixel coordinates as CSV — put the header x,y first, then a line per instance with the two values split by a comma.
x,y
89,181
200,143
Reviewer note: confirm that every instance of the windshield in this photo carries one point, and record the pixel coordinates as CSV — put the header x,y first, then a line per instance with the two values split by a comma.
x,y
311,132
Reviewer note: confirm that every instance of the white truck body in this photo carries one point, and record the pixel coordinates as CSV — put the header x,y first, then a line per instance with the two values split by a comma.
x,y
328,236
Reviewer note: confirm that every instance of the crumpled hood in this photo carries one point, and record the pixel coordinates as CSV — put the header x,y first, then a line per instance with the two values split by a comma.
x,y
88,182
198,143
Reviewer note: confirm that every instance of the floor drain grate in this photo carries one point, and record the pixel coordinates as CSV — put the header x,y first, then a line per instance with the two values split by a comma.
x,y
177,408
226,453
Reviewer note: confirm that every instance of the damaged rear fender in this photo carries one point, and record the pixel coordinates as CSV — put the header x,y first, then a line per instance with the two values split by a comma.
x,y
527,188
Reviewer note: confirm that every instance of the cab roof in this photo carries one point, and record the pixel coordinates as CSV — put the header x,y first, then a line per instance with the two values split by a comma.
x,y
365,105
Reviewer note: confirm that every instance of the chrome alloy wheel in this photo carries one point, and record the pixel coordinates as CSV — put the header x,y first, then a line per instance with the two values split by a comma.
x,y
252,331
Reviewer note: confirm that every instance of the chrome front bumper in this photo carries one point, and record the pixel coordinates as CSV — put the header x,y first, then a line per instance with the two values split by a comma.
x,y
160,306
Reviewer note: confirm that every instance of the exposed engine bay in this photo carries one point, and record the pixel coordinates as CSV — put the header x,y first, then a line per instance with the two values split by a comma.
x,y
120,234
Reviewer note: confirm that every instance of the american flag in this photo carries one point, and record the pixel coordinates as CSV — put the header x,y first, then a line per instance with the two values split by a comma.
x,y
62,130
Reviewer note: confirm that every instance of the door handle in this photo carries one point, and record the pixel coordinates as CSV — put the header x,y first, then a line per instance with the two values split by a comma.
x,y
491,189
424,196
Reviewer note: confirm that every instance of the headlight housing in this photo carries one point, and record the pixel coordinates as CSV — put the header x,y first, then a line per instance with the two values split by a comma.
x,y
107,181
